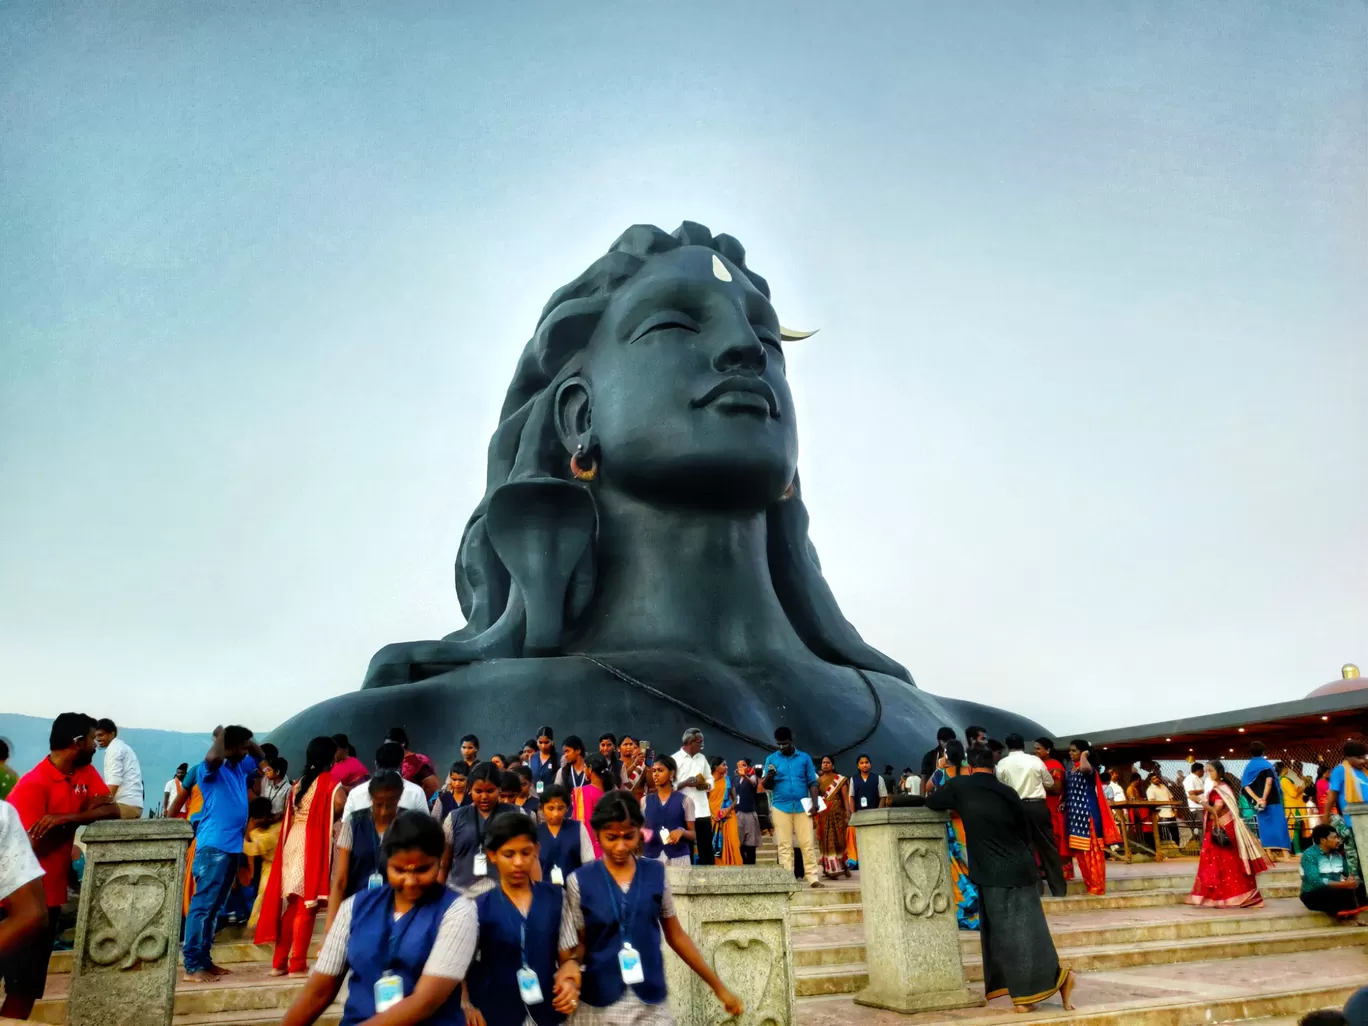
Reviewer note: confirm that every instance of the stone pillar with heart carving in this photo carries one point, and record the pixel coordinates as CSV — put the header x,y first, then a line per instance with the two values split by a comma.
x,y
738,916
912,942
128,926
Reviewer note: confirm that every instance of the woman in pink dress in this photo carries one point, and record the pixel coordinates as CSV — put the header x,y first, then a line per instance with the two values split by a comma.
x,y
1231,857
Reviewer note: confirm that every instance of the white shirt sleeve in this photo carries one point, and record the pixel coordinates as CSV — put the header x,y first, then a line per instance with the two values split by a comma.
x,y
883,788
332,958
586,845
414,797
18,864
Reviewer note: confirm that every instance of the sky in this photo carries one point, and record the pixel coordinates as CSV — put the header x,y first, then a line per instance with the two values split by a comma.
x,y
1083,433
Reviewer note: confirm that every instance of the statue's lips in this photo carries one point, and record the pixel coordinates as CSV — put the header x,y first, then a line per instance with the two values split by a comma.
x,y
750,395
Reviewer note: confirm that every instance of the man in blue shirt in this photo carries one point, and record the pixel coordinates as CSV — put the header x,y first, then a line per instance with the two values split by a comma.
x,y
1344,787
223,778
791,780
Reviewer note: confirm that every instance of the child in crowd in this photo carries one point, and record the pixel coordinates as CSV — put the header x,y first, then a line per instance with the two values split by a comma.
x,y
527,801
465,867
616,911
275,784
513,978
357,864
565,843
453,796
407,945
259,849
510,792
668,829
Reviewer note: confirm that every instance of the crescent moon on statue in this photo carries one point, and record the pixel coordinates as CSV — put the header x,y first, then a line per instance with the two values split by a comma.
x,y
789,335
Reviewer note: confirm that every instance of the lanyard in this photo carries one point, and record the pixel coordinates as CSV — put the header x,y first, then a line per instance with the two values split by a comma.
x,y
522,923
583,778
622,903
390,943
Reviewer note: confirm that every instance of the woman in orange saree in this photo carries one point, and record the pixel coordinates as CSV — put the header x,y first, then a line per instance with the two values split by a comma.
x,y
1231,857
722,807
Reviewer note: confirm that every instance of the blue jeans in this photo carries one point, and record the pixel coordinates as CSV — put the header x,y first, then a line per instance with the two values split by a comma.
x,y
214,871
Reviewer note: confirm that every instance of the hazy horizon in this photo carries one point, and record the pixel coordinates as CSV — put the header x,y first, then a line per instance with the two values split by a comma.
x,y
1083,433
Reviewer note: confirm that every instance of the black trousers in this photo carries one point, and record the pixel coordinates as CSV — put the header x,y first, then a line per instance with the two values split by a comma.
x,y
703,839
747,855
1046,845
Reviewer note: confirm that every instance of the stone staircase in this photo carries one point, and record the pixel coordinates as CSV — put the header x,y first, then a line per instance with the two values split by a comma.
x,y
1144,959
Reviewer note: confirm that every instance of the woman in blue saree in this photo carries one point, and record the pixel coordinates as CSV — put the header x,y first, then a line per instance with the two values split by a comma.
x,y
1260,783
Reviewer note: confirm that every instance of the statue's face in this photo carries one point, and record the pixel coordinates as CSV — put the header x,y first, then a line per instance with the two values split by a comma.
x,y
689,401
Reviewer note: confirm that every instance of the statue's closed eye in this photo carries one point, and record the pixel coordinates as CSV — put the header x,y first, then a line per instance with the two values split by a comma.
x,y
666,320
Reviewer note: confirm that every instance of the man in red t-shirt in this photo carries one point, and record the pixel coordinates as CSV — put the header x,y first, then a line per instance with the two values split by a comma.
x,y
58,795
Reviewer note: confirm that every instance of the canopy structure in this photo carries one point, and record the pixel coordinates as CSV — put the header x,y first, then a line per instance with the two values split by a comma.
x,y
1311,730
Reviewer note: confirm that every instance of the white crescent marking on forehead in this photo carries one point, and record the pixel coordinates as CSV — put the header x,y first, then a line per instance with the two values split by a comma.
x,y
720,271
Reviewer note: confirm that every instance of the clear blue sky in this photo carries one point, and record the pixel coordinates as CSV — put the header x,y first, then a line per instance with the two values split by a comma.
x,y
1084,432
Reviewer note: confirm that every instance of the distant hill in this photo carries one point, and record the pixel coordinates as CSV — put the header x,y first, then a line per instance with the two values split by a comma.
x,y
159,752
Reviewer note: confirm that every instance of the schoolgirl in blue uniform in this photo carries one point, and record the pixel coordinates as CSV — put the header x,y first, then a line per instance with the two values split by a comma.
x,y
513,978
465,867
357,863
666,817
616,911
407,945
564,841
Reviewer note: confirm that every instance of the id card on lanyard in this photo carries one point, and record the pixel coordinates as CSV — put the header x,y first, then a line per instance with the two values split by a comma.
x,y
629,959
529,986
389,988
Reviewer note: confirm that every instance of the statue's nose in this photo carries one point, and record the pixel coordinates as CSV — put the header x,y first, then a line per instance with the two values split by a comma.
x,y
741,350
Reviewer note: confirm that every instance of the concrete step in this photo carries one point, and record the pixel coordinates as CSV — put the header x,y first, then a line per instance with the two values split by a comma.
x,y
822,973
268,1017
1258,988
247,990
225,953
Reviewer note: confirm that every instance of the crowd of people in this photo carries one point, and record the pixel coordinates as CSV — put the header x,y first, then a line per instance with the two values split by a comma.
x,y
549,862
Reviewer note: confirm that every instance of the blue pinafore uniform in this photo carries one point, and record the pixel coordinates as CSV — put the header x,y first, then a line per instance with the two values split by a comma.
x,y
506,942
608,915
379,944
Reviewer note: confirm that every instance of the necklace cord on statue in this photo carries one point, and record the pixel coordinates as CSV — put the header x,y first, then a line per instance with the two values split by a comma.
x,y
713,721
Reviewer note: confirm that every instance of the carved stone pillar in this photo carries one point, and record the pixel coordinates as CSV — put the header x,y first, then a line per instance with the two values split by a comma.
x,y
1358,818
739,919
128,927
912,942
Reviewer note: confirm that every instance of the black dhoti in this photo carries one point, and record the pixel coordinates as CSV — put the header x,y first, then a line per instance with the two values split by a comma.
x,y
1335,901
1019,957
1045,845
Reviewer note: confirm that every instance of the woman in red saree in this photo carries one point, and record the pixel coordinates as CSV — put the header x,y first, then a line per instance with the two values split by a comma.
x,y
1054,801
302,872
1231,857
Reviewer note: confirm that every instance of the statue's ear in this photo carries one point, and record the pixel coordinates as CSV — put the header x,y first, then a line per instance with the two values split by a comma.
x,y
541,530
573,414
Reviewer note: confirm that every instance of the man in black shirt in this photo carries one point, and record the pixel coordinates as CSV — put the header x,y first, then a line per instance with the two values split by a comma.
x,y
1019,955
929,760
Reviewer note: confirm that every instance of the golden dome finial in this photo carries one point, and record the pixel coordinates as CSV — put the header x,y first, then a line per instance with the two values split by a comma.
x,y
1349,671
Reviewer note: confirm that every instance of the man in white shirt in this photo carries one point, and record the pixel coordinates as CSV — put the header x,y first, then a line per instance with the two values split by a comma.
x,y
390,756
1027,776
1196,786
693,778
122,774
172,787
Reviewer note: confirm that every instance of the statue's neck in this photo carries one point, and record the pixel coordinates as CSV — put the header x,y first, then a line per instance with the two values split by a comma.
x,y
686,580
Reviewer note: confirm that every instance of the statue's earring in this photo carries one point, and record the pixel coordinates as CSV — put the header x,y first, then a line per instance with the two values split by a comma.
x,y
788,493
583,466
